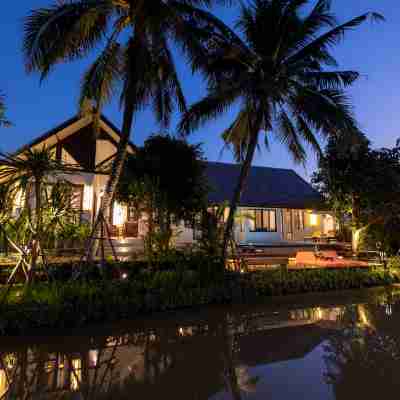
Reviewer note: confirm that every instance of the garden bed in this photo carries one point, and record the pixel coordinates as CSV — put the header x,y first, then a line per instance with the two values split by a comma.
x,y
69,304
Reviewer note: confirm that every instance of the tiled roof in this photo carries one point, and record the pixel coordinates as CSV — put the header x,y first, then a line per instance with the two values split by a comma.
x,y
265,187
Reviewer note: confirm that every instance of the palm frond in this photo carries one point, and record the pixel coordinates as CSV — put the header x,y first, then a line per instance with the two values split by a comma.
x,y
167,90
327,111
210,107
288,135
100,80
3,119
330,79
237,134
63,32
332,37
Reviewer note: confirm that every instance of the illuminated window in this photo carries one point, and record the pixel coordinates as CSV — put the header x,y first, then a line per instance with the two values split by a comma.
x,y
263,220
87,198
298,220
313,219
119,214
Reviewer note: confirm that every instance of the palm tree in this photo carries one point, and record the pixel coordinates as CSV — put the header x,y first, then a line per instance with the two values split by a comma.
x,y
137,58
30,174
284,80
3,120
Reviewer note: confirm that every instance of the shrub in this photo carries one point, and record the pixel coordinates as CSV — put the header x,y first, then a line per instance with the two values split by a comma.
x,y
394,262
75,303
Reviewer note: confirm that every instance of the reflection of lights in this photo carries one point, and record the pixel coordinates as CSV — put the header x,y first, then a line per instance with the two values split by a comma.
x,y
76,373
388,309
93,357
49,366
363,316
3,383
10,361
188,331
245,382
318,313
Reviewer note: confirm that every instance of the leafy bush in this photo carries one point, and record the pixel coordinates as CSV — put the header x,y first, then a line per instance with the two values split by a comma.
x,y
394,262
75,303
75,232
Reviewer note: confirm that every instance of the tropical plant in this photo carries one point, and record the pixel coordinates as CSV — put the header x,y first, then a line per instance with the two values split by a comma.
x,y
164,179
283,78
32,175
362,186
3,119
137,56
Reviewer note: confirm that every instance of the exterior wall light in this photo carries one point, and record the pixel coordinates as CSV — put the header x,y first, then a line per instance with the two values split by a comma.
x,y
313,219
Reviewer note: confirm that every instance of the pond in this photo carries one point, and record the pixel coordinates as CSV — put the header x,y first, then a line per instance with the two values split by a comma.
x,y
332,346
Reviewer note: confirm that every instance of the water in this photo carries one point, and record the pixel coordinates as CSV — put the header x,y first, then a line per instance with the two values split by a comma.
x,y
334,346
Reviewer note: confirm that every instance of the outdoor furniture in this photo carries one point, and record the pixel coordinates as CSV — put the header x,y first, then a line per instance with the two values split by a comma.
x,y
113,230
131,229
326,259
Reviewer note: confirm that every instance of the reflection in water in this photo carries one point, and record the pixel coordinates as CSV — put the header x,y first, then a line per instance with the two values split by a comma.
x,y
363,360
226,354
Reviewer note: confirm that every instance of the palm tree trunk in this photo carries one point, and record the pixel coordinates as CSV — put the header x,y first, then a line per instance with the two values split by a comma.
x,y
244,173
355,223
37,233
116,170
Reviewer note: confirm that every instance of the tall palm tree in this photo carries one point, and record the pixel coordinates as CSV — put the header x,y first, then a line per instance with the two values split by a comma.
x,y
284,79
137,37
3,120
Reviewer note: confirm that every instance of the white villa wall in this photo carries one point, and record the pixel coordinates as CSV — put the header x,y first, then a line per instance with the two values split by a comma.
x,y
185,234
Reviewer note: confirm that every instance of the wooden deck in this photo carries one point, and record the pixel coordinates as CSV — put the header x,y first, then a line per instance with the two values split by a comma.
x,y
301,256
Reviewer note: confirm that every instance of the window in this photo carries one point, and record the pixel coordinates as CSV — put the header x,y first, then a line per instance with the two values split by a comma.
x,y
77,197
188,224
263,220
298,220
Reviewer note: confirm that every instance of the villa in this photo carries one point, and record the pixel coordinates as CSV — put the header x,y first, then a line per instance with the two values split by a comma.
x,y
277,206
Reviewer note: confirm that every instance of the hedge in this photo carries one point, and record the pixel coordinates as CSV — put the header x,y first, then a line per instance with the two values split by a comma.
x,y
72,304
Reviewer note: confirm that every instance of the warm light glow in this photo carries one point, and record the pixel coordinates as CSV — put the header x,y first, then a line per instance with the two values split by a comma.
x,y
119,216
362,313
313,219
88,198
3,383
76,374
318,314
93,357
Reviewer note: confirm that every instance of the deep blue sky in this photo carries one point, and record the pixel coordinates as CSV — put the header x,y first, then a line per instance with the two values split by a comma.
x,y
373,49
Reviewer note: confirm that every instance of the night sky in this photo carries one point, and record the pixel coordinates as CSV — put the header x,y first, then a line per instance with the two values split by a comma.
x,y
373,50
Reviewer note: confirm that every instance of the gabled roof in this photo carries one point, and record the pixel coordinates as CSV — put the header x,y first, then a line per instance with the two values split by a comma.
x,y
71,126
265,187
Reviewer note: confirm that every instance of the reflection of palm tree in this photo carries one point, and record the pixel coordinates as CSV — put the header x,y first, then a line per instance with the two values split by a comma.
x,y
363,365
148,364
40,372
230,373
363,362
